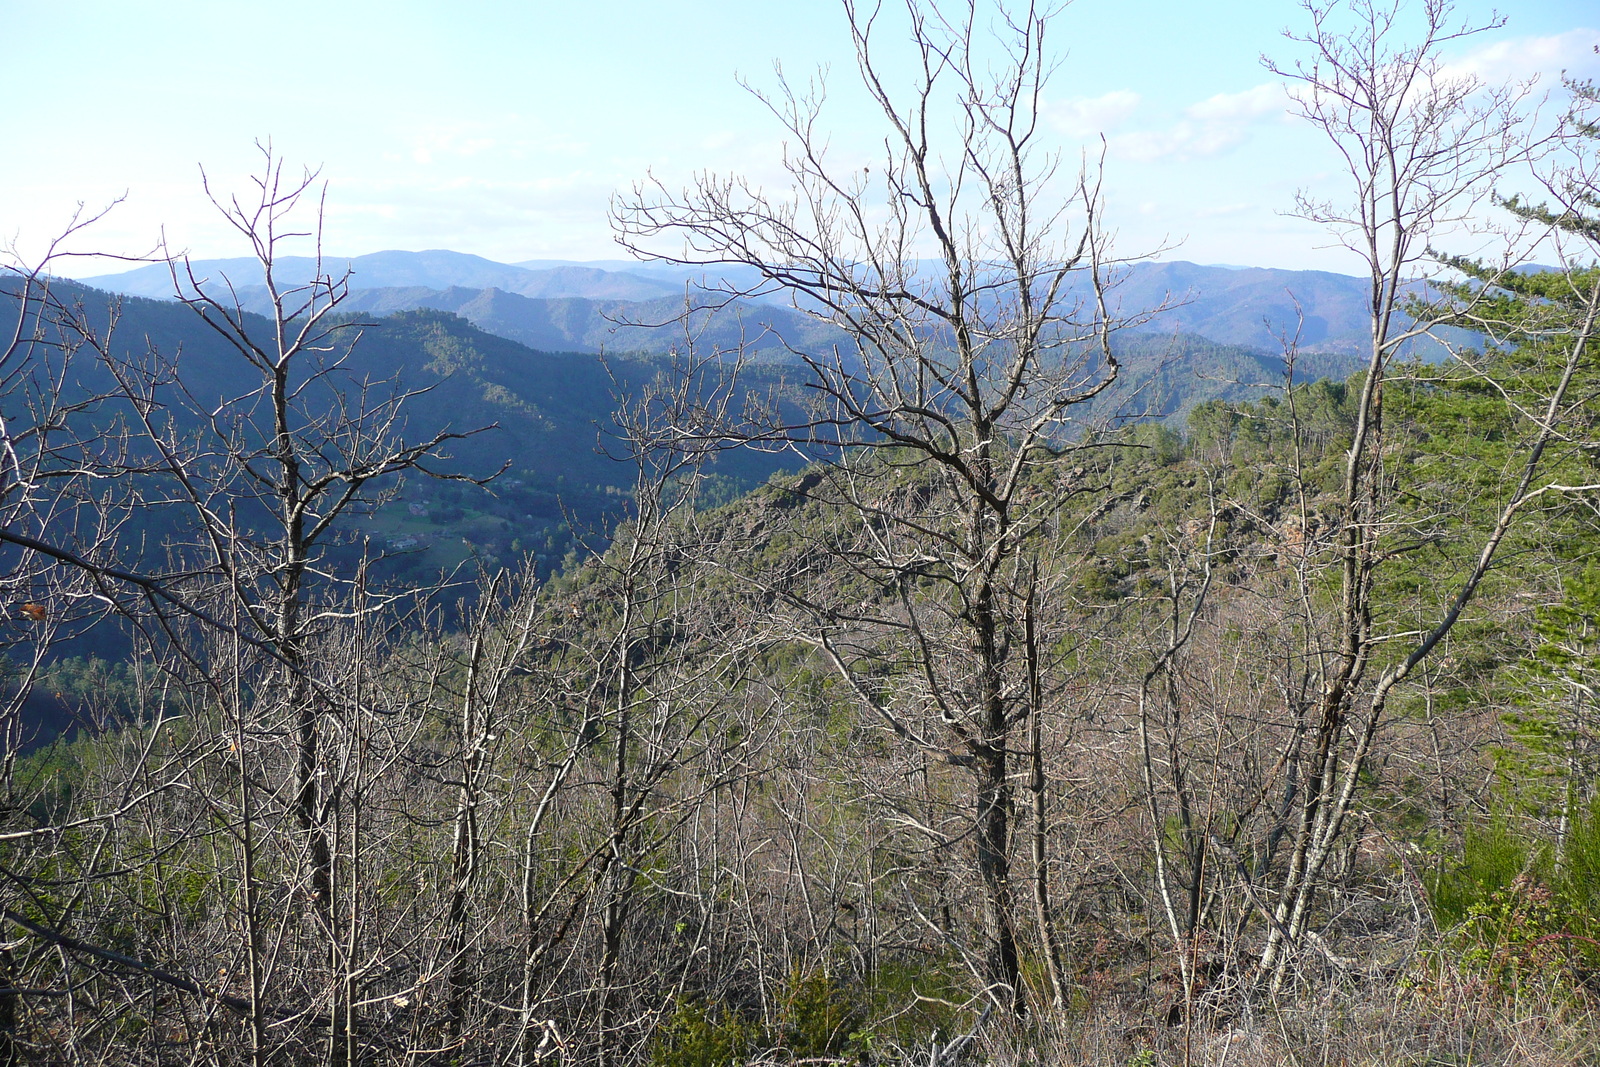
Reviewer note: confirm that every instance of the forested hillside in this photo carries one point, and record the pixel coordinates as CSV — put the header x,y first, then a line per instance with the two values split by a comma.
x,y
977,674
533,425
644,799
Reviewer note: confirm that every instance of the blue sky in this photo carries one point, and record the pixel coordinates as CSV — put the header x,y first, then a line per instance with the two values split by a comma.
x,y
502,128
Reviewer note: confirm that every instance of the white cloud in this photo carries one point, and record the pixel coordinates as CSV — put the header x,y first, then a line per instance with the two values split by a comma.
x,y
1525,57
1267,98
1147,146
1090,116
1208,128
1182,140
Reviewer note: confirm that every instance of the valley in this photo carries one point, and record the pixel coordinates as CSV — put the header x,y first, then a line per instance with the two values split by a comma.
x,y
898,612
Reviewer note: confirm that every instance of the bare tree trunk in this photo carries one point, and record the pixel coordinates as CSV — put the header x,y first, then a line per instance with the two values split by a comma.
x,y
1422,147
473,740
1050,943
10,1053
967,367
250,917
615,873
1002,970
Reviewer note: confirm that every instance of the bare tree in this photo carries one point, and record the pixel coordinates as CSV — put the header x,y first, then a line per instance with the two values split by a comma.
x,y
64,503
1420,147
262,641
968,268
649,675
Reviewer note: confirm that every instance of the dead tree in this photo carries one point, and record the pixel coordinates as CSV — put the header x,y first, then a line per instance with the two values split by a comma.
x,y
1420,147
965,269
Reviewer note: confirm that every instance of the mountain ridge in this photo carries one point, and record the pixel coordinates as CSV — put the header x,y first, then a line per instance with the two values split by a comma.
x,y
1257,307
432,268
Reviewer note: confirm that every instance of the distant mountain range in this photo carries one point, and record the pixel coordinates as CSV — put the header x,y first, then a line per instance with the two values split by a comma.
x,y
552,405
434,269
1256,307
551,413
1220,336
591,324
558,304
527,366
1213,343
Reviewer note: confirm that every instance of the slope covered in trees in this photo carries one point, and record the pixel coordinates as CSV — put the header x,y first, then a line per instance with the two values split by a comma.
x,y
1004,730
687,836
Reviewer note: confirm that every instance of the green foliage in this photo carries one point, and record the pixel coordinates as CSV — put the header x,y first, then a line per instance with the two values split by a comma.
x,y
1522,902
1552,762
1578,877
1318,417
1522,912
49,777
702,1035
712,491
1514,937
911,998
817,1016
107,691
1492,857
1165,447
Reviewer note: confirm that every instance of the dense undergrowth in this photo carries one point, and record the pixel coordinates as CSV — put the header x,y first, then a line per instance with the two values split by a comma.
x,y
634,814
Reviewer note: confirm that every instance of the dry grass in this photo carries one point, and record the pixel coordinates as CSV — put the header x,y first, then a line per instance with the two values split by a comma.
x,y
1450,1019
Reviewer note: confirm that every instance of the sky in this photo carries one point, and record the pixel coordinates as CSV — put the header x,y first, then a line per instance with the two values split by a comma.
x,y
503,128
